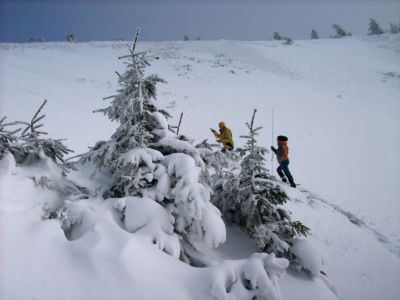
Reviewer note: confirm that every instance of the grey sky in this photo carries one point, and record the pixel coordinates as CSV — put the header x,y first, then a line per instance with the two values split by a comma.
x,y
171,20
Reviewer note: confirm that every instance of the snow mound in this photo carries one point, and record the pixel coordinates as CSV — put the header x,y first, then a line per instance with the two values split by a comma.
x,y
254,278
181,146
308,256
151,222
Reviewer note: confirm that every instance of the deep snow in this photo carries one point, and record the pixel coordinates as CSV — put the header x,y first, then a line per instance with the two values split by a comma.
x,y
337,100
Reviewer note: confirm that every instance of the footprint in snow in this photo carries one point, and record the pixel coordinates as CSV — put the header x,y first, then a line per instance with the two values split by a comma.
x,y
311,197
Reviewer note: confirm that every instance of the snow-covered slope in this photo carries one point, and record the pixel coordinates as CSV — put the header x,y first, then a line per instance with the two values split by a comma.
x,y
337,100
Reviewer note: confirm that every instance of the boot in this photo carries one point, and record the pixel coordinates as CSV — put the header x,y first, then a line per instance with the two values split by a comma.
x,y
291,182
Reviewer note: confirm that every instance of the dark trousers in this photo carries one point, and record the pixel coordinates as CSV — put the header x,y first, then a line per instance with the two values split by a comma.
x,y
228,147
283,170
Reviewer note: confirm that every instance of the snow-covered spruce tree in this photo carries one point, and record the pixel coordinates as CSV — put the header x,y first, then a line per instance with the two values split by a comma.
x,y
314,34
340,32
153,173
374,28
253,200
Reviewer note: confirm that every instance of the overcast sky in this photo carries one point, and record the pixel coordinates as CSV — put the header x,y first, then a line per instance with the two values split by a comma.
x,y
172,19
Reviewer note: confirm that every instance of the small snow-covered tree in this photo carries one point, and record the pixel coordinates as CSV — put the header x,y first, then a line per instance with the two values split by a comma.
x,y
31,147
47,154
314,34
288,41
153,170
70,37
186,38
7,137
36,39
340,32
374,28
253,200
277,36
394,28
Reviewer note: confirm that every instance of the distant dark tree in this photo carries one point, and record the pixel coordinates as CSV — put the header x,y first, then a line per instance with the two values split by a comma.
x,y
340,32
185,38
374,28
288,41
314,34
36,39
198,38
277,36
70,37
394,28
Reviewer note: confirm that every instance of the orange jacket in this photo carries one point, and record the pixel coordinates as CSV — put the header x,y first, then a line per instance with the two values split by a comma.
x,y
282,152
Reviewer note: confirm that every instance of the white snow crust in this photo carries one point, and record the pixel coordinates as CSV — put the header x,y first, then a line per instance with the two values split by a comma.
x,y
336,100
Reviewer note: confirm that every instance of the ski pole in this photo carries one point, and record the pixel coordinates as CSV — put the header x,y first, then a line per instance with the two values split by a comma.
x,y
272,140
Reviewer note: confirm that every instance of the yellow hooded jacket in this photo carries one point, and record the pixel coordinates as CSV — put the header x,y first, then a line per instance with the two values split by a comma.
x,y
225,137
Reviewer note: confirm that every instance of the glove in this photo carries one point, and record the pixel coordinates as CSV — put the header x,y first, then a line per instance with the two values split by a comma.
x,y
212,130
272,148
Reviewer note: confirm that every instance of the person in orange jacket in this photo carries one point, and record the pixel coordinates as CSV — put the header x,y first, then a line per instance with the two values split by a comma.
x,y
224,136
282,154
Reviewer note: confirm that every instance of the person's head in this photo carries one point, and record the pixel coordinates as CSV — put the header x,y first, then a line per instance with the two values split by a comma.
x,y
281,138
221,125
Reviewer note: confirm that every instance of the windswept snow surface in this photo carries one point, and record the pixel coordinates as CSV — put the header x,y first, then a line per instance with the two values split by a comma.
x,y
337,100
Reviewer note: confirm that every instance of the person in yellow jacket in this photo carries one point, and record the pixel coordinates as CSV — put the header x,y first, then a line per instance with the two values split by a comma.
x,y
224,136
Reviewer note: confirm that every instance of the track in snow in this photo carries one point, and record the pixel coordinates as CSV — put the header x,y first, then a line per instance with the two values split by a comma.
x,y
393,248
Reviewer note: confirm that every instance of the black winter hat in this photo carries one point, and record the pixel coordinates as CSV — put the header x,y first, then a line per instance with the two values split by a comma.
x,y
282,138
